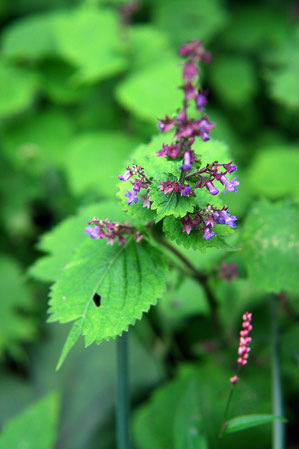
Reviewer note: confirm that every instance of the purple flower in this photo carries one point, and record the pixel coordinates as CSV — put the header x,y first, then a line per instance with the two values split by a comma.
x,y
230,186
166,124
94,233
222,217
201,100
166,186
187,162
229,167
211,188
186,191
207,233
132,197
189,91
204,128
127,175
146,201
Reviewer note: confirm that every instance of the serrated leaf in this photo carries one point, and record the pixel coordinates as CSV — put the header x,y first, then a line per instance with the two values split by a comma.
x,y
174,231
35,427
248,421
153,91
62,242
95,160
80,34
270,246
17,89
262,174
128,279
170,204
17,327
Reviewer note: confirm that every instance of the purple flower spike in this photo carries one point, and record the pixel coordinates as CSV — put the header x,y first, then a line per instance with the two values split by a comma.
x,y
207,233
186,191
187,162
190,71
127,175
132,197
211,188
230,186
94,233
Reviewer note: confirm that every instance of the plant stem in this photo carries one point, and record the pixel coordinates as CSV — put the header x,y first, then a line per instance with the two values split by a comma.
x,y
199,277
228,402
278,435
122,403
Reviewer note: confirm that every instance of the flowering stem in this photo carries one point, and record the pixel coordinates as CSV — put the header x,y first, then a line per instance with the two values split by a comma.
x,y
228,402
199,277
122,403
278,435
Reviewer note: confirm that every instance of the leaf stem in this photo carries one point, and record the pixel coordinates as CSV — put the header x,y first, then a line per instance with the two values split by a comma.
x,y
122,403
199,277
278,435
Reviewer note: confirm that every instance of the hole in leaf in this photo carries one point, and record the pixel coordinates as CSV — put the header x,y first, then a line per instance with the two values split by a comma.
x,y
97,300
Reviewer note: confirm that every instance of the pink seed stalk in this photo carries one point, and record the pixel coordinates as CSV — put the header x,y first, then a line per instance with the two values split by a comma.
x,y
245,340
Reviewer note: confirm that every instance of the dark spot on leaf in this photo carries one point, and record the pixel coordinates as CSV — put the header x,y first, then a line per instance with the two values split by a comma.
x,y
97,300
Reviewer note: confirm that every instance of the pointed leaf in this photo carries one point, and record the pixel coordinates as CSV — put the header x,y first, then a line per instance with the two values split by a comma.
x,y
128,279
247,421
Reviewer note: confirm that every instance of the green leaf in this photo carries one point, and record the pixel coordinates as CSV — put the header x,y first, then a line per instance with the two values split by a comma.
x,y
153,91
17,89
284,73
80,35
95,160
262,174
15,307
190,19
270,249
63,240
247,421
147,44
212,150
174,231
233,79
20,38
36,426
128,278
170,204
38,140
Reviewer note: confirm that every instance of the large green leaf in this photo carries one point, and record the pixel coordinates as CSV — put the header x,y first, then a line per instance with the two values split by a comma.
x,y
31,37
128,278
17,89
35,427
233,80
270,246
153,91
262,174
15,306
90,39
38,140
190,19
63,240
95,160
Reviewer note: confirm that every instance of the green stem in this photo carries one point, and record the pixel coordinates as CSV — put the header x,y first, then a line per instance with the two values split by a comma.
x,y
122,404
278,434
228,402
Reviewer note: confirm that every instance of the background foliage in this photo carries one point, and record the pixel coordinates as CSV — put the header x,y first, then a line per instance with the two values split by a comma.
x,y
79,92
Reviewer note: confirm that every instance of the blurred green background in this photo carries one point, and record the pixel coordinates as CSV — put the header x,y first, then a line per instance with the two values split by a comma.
x,y
81,85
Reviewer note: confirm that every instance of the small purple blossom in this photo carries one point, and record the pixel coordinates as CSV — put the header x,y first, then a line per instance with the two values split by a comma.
x,y
211,188
222,217
201,100
166,125
204,128
186,191
127,175
230,186
207,233
187,162
190,71
189,91
94,233
132,197
146,201
229,167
